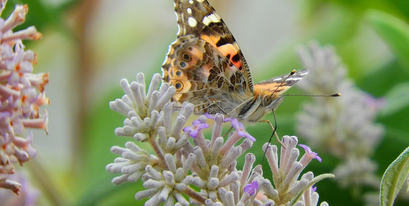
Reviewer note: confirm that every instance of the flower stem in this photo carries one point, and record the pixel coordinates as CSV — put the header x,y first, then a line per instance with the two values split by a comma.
x,y
158,153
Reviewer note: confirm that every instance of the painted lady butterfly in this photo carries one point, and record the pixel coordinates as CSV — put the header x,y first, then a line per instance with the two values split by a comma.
x,y
207,68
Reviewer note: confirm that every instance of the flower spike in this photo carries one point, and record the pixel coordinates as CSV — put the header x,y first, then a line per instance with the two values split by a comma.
x,y
22,95
207,164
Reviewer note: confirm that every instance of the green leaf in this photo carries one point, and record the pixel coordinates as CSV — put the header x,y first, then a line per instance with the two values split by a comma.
x,y
393,178
393,30
397,98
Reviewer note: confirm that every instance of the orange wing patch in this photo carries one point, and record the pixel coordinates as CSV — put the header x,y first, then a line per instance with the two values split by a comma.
x,y
274,88
229,50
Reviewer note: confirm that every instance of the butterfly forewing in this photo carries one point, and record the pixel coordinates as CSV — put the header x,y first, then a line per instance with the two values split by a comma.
x,y
278,85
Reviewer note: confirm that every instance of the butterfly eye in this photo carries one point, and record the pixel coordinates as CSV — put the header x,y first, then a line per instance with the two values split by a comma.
x,y
179,86
186,57
266,100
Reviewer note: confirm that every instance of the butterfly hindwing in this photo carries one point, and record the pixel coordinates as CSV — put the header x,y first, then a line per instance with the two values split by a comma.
x,y
205,63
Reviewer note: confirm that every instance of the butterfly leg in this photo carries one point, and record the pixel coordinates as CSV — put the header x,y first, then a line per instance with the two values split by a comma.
x,y
225,135
215,103
204,107
240,105
198,108
274,133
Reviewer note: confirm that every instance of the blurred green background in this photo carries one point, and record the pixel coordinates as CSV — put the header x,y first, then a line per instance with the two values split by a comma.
x,y
89,45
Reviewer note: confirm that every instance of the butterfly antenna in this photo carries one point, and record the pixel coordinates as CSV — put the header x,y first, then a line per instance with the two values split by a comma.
x,y
314,95
283,82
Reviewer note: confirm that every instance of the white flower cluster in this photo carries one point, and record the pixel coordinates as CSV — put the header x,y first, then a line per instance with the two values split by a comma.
x,y
204,170
343,126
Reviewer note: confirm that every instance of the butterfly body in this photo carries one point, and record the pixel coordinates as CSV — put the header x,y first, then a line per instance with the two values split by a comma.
x,y
208,69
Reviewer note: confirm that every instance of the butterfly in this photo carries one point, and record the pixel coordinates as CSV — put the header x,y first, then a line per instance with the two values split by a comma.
x,y
208,69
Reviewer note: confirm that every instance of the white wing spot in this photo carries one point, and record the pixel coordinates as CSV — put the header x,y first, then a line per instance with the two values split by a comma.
x,y
200,0
189,11
192,22
213,17
206,21
278,79
210,18
191,2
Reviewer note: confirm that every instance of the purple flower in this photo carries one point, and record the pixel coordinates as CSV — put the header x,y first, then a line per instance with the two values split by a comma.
x,y
241,131
251,188
313,189
196,127
209,116
310,153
